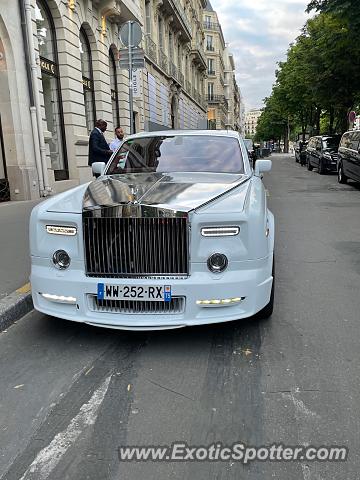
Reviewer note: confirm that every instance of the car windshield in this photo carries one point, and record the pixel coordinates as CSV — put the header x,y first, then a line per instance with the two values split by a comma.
x,y
248,144
178,153
331,142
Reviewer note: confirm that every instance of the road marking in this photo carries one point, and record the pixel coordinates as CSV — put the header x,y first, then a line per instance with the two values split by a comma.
x,y
48,458
24,289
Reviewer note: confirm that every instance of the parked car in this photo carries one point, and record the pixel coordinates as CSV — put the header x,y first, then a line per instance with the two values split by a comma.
x,y
321,153
175,232
349,157
300,152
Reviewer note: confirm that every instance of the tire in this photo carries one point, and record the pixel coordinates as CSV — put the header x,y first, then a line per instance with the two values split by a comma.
x,y
342,178
267,311
321,168
308,165
296,159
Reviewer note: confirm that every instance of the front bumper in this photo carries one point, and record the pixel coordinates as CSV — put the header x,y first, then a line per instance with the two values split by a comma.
x,y
251,280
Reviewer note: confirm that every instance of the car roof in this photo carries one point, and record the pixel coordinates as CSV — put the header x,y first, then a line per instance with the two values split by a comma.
x,y
171,133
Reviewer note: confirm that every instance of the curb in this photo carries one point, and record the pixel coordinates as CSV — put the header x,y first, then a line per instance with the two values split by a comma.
x,y
15,306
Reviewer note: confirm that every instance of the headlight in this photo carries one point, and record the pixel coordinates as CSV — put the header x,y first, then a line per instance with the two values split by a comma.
x,y
217,262
220,231
61,259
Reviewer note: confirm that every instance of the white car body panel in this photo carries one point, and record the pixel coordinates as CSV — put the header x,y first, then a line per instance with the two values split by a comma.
x,y
248,276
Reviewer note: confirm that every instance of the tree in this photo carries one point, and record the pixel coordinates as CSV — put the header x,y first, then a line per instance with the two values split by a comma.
x,y
318,84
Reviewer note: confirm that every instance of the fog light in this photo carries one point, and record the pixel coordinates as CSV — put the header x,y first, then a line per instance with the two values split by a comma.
x,y
217,262
58,298
219,301
61,259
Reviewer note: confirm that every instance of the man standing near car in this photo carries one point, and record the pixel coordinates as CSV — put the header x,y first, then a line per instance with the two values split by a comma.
x,y
119,136
99,150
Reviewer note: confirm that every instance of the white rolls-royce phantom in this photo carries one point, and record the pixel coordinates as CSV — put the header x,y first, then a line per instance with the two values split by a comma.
x,y
175,231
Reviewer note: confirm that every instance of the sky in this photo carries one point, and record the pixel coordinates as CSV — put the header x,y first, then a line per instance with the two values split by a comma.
x,y
259,33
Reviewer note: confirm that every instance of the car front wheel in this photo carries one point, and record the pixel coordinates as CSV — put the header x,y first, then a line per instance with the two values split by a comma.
x,y
308,165
342,178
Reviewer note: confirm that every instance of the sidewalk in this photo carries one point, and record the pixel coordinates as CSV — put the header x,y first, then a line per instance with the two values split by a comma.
x,y
15,298
14,245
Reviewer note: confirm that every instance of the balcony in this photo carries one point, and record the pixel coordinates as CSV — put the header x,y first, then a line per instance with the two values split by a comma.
x,y
163,61
199,55
211,73
210,48
211,26
175,73
150,48
180,21
220,99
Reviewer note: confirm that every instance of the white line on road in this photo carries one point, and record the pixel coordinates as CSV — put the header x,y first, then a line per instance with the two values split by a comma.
x,y
48,458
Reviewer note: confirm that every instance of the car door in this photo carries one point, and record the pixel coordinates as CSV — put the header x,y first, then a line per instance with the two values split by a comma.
x,y
344,153
319,151
310,151
355,155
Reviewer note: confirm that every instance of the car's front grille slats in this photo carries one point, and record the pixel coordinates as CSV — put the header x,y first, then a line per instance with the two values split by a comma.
x,y
135,247
135,307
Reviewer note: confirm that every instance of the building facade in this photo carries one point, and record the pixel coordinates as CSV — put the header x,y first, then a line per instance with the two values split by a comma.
x,y
215,84
70,76
251,120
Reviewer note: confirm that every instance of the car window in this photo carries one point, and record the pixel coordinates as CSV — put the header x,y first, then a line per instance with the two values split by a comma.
x,y
331,142
346,140
178,153
355,138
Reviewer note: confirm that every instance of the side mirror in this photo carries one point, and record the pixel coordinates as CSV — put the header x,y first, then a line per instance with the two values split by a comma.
x,y
262,166
98,168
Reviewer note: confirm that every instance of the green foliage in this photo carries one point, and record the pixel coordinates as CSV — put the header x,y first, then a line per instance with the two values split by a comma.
x,y
319,82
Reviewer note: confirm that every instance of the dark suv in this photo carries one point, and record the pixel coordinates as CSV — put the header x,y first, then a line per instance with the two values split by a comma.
x,y
349,157
321,153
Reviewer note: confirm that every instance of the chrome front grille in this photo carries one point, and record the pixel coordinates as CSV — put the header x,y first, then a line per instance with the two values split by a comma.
x,y
120,247
132,307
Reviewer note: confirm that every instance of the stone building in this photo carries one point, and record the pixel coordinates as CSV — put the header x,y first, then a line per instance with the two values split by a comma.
x,y
59,71
223,94
251,120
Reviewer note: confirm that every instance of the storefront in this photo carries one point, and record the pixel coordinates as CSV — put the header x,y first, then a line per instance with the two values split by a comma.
x,y
51,90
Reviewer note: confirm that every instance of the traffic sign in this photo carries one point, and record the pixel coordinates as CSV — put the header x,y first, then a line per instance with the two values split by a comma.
x,y
135,34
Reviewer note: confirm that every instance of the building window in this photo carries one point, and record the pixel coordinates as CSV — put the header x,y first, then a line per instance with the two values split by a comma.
x,y
50,78
209,43
88,80
114,90
211,91
148,17
161,32
171,46
207,21
210,64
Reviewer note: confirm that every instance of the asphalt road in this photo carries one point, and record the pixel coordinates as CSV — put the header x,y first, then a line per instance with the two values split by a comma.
x,y
70,395
14,245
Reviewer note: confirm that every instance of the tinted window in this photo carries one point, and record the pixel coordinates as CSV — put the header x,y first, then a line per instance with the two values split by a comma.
x,y
355,137
331,142
345,141
178,153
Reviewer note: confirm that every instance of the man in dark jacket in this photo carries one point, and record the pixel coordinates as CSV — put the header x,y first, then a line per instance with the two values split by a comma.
x,y
99,150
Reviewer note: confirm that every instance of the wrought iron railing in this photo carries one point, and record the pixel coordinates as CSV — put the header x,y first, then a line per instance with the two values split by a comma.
x,y
150,48
211,26
163,61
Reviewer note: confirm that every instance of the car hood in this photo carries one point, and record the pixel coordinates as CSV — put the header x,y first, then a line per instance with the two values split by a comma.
x,y
174,191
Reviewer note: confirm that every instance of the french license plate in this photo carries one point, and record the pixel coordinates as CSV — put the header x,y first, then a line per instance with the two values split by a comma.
x,y
152,293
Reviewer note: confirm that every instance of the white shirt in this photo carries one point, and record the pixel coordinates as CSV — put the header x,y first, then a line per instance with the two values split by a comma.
x,y
114,144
